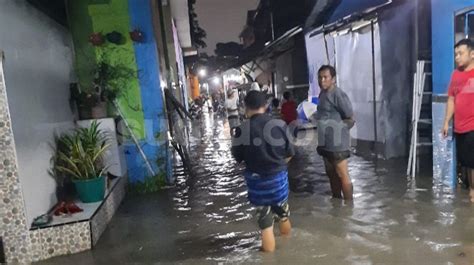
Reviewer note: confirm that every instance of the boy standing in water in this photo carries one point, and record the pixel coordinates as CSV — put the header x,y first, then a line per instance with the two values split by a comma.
x,y
262,143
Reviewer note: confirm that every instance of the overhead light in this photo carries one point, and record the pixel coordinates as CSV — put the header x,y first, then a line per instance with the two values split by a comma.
x,y
202,72
216,81
234,78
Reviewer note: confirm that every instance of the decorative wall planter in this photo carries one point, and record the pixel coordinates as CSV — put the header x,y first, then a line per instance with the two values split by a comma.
x,y
115,37
137,36
96,39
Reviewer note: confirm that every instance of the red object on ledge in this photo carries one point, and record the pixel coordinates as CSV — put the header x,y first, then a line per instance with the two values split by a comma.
x,y
66,208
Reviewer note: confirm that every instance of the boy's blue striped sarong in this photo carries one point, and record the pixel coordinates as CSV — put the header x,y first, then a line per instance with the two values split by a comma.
x,y
267,190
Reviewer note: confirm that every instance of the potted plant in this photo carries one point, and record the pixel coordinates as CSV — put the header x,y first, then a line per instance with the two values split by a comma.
x,y
109,81
82,161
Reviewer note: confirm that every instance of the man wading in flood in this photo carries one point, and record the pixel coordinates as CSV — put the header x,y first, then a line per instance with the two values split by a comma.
x,y
334,122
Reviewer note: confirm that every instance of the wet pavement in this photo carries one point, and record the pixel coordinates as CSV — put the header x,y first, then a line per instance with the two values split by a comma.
x,y
206,218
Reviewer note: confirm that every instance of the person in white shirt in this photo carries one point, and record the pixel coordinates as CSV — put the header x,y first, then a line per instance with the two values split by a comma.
x,y
255,86
231,105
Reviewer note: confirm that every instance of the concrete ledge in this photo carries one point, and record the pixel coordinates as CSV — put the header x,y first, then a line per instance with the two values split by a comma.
x,y
74,237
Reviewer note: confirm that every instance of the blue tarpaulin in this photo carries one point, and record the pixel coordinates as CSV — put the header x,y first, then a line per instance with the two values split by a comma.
x,y
326,12
350,7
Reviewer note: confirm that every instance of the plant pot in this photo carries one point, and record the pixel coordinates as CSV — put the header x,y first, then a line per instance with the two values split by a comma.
x,y
96,39
92,190
137,35
84,113
99,111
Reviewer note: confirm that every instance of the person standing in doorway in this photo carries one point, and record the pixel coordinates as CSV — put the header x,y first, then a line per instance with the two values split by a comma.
x,y
275,110
232,107
461,106
288,108
335,119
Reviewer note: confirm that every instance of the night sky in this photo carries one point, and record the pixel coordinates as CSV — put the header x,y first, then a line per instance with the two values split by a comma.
x,y
223,20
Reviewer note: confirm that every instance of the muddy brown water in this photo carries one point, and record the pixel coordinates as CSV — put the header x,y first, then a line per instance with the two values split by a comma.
x,y
206,218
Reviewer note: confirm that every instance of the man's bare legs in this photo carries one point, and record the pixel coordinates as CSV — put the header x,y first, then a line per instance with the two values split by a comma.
x,y
334,180
342,171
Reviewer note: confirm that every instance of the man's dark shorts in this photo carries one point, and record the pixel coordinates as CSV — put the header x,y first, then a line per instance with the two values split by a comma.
x,y
465,149
334,156
267,214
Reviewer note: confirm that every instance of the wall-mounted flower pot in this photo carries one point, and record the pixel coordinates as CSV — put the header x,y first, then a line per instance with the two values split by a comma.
x,y
96,39
137,36
92,190
115,38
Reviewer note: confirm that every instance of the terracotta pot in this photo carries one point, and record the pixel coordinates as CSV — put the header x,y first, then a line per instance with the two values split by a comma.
x,y
96,39
84,113
99,111
137,36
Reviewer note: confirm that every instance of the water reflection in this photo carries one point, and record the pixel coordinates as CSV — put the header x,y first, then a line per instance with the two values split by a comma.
x,y
394,219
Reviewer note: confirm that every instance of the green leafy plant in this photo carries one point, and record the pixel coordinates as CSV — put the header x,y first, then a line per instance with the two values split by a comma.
x,y
62,144
80,155
110,80
150,185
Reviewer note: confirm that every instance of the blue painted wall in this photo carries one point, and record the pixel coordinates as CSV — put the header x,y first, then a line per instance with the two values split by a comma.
x,y
443,40
146,54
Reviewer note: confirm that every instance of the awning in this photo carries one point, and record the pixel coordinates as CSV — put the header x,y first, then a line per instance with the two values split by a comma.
x,y
341,10
351,7
256,60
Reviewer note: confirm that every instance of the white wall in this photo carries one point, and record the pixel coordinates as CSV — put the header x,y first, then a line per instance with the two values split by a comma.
x,y
38,70
355,77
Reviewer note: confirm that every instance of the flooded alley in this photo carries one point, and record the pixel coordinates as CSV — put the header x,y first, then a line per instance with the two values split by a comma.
x,y
116,119
206,218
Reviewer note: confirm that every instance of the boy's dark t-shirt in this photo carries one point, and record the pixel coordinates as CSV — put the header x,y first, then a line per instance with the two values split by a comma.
x,y
262,142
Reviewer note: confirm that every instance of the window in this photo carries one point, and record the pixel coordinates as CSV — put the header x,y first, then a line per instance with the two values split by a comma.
x,y
464,24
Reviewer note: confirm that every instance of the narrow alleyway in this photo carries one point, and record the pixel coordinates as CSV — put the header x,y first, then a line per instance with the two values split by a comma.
x,y
206,219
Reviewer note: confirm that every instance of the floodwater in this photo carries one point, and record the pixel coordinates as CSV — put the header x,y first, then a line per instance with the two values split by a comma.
x,y
206,218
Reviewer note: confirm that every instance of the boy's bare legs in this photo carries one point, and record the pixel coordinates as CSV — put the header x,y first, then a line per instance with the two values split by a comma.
x,y
342,171
334,180
285,227
268,240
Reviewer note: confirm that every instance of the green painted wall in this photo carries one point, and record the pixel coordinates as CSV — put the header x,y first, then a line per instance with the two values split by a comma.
x,y
88,16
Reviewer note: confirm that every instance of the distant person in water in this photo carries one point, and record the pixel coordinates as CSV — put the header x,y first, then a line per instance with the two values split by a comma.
x,y
232,107
288,108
